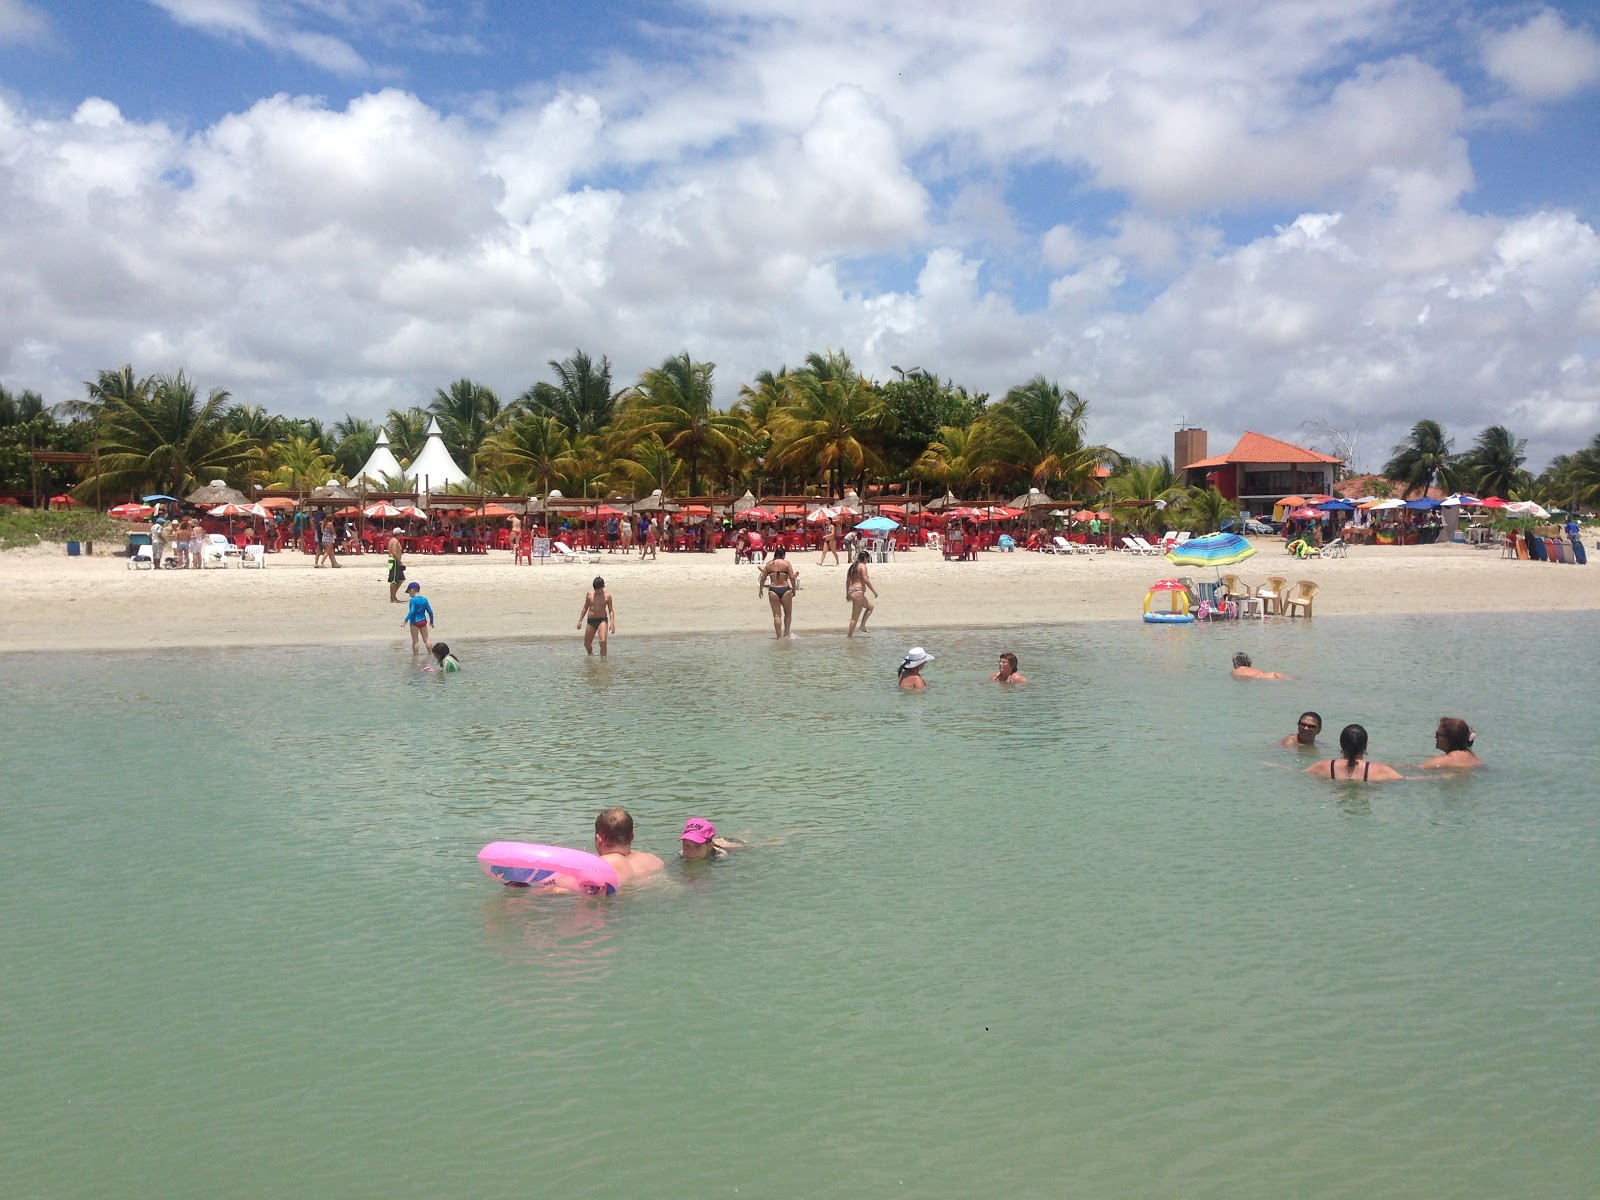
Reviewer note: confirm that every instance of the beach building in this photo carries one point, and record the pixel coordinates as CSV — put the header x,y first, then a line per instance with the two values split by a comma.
x,y
434,470
1258,471
380,463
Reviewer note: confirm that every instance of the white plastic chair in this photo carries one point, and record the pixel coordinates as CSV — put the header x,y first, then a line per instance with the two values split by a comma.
x,y
141,557
254,556
565,553
216,550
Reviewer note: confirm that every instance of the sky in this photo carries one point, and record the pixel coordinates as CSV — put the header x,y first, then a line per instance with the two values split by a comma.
x,y
1243,215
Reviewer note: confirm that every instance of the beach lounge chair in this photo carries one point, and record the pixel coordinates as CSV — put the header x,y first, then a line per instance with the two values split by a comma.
x,y
141,557
1334,549
216,550
1300,596
1271,594
1143,547
565,553
254,555
1057,545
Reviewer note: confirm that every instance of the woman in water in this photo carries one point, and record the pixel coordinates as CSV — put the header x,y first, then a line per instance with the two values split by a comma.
x,y
911,669
780,581
1453,739
601,615
1354,764
856,587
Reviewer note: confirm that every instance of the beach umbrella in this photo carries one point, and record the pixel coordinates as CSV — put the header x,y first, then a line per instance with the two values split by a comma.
x,y
1213,550
410,512
230,510
817,516
214,493
130,512
276,502
10,500
879,525
1458,500
896,511
382,509
1337,506
1491,502
1305,514
159,498
1292,502
64,501
605,510
1319,498
1386,505
1527,508
755,514
964,514
1423,504
1032,498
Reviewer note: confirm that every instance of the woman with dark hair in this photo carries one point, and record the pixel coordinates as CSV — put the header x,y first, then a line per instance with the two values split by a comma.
x,y
1453,739
779,580
856,587
1354,764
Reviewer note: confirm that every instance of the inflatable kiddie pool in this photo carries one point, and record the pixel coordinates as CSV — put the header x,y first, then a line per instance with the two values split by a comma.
x,y
527,864
1167,603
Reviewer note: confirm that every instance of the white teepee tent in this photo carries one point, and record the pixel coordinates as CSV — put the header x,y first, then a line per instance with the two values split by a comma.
x,y
381,462
434,469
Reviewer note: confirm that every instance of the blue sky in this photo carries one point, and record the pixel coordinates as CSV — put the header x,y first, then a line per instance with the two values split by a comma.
x,y
1256,213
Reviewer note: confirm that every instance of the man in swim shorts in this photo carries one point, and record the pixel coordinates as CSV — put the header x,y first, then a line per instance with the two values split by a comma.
x,y
1305,732
397,567
613,841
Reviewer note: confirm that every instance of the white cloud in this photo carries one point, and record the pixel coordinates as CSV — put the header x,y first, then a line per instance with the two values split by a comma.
x,y
818,178
278,26
22,24
1544,58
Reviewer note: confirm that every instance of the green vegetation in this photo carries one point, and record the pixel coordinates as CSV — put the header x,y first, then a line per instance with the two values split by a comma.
x,y
22,527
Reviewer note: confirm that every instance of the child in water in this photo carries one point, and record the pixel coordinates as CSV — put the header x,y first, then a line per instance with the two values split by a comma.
x,y
443,660
419,616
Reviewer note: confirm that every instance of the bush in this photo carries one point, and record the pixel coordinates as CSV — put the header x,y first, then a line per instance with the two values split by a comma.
x,y
31,526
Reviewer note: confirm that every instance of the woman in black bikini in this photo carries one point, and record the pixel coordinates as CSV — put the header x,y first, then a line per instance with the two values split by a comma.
x,y
780,581
1354,764
598,612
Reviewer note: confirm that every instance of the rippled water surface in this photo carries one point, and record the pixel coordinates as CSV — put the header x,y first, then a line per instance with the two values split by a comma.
x,y
1094,937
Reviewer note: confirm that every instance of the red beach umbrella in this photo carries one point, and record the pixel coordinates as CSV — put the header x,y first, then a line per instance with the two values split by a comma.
x,y
64,501
756,514
130,512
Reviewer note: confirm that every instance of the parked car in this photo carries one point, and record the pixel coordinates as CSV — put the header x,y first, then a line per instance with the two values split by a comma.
x,y
1255,525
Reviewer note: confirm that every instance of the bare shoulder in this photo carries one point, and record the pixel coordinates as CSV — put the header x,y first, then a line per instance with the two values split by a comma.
x,y
1383,773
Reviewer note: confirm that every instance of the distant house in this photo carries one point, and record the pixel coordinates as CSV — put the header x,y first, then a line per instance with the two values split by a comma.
x,y
1258,471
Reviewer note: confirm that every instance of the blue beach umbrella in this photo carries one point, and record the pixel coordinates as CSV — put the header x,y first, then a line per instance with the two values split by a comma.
x,y
1337,506
156,499
1213,550
1422,503
879,524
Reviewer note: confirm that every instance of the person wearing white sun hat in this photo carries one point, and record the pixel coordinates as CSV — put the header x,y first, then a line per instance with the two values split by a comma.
x,y
911,669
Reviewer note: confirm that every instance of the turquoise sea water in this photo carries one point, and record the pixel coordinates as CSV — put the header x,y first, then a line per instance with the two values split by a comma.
x,y
1093,937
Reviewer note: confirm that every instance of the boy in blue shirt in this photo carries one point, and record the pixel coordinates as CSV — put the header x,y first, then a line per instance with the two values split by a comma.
x,y
419,616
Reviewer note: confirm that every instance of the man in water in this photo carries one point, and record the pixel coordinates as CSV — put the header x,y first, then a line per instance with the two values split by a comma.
x,y
1243,670
397,566
1008,672
1305,732
613,841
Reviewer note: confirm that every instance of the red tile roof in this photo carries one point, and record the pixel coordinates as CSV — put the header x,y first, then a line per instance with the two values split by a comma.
x,y
1361,485
1259,448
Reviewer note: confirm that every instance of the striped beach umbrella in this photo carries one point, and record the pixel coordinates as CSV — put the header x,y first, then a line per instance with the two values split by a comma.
x,y
1213,550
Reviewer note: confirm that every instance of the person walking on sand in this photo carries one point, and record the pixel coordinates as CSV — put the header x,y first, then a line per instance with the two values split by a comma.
x,y
857,584
600,614
397,566
780,581
419,616
830,543
327,542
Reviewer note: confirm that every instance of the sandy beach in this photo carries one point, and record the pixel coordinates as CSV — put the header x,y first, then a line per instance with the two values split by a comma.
x,y
97,603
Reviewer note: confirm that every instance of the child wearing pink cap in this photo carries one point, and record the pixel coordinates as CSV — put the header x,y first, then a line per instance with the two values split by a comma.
x,y
699,840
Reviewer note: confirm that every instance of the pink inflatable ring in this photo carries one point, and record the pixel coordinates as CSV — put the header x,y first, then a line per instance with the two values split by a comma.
x,y
526,864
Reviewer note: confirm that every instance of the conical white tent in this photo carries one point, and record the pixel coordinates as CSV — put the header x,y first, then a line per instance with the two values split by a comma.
x,y
434,469
380,463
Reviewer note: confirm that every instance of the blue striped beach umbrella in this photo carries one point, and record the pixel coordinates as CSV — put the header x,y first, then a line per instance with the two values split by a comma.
x,y
1213,550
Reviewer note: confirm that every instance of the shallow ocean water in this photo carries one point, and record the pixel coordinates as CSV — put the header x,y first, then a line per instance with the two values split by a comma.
x,y
1094,937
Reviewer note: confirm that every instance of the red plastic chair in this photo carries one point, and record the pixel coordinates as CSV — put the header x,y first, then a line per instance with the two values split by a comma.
x,y
502,539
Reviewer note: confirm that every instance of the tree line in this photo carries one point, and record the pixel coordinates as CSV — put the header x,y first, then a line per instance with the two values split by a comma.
x,y
821,427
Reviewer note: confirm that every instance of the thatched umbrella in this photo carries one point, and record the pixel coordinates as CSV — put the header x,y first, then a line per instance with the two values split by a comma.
x,y
332,491
214,493
655,502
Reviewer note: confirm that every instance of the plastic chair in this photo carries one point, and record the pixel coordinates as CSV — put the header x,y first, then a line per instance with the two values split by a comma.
x,y
1301,596
255,555
1335,549
1235,589
141,557
1271,594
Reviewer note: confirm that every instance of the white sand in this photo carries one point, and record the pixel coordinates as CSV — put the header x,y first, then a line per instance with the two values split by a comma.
x,y
58,603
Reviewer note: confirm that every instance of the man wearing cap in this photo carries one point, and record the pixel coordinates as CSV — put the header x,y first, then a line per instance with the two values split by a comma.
x,y
613,841
699,840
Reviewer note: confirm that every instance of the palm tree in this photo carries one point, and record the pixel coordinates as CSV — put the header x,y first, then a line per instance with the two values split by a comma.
x,y
1141,493
948,461
1493,467
651,465
1207,508
535,446
1583,474
300,464
1422,460
674,401
20,409
468,412
408,431
581,397
160,434
827,419
354,440
1042,429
